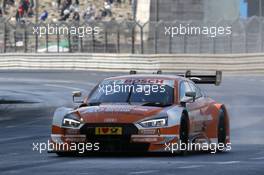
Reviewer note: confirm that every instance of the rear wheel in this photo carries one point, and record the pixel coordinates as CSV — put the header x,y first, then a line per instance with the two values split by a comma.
x,y
221,129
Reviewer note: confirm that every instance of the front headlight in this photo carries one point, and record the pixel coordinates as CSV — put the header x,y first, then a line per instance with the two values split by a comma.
x,y
70,121
154,122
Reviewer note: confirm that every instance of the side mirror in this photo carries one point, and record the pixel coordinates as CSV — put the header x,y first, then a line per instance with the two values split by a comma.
x,y
188,96
218,78
76,94
191,94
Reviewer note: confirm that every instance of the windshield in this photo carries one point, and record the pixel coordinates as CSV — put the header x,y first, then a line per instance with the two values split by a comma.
x,y
133,91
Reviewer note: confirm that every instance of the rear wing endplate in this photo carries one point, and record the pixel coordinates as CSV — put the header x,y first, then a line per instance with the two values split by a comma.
x,y
205,79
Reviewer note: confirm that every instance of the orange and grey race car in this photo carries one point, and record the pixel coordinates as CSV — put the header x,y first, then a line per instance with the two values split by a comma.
x,y
143,112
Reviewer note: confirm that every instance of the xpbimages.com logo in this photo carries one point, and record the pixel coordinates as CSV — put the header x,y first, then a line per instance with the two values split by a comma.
x,y
211,147
75,147
188,29
146,89
80,31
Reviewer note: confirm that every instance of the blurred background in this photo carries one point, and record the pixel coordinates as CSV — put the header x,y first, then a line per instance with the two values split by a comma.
x,y
131,26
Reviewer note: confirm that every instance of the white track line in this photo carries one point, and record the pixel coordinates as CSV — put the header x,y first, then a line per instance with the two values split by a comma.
x,y
6,118
65,87
191,166
144,172
16,138
227,162
257,158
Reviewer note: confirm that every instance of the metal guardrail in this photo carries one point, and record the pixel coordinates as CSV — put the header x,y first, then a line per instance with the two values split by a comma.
x,y
228,63
136,38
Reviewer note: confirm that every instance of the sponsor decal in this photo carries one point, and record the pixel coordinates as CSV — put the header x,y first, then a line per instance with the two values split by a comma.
x,y
108,131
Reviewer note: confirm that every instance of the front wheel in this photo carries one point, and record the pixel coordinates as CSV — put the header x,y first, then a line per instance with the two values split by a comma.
x,y
184,134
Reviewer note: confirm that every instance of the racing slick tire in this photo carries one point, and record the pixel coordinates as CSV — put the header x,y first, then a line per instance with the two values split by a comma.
x,y
221,130
184,134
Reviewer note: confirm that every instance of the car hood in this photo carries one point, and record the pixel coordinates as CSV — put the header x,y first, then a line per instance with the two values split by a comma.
x,y
117,113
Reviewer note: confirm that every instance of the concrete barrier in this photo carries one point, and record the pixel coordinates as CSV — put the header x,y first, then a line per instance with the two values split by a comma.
x,y
234,63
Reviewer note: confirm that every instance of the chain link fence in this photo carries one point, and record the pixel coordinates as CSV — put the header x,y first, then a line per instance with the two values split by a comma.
x,y
133,37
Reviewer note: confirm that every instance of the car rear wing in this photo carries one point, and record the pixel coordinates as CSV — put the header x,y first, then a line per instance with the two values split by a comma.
x,y
197,79
205,79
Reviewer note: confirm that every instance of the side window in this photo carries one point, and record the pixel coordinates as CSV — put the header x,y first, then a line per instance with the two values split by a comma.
x,y
184,87
182,90
196,89
200,91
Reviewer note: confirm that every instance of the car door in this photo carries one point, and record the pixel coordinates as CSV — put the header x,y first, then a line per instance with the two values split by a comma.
x,y
189,105
200,106
194,108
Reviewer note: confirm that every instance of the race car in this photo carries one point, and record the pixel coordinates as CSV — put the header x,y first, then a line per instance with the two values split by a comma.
x,y
143,113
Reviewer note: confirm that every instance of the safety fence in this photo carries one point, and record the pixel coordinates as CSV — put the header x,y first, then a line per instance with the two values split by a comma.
x,y
134,37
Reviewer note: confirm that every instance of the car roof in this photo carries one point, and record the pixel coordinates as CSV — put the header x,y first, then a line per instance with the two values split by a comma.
x,y
146,76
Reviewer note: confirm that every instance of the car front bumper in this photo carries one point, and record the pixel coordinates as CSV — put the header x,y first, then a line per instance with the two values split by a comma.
x,y
132,140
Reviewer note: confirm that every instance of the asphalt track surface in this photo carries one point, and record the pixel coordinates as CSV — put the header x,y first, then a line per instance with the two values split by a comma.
x,y
22,123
